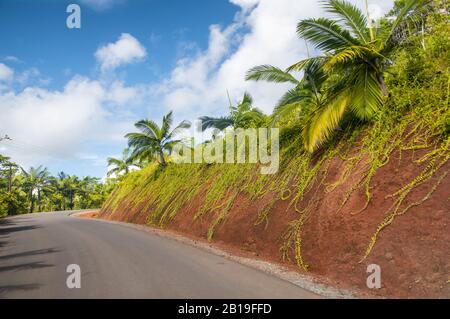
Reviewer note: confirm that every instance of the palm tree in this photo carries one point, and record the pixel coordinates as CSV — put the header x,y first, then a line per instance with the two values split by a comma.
x,y
308,94
152,140
243,115
36,180
121,165
356,51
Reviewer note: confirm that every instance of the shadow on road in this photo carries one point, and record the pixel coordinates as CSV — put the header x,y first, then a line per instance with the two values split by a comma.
x,y
9,288
31,253
8,230
25,266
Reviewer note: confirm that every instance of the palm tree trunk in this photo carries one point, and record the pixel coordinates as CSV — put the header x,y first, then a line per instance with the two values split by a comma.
x,y
31,202
10,178
162,161
39,200
382,85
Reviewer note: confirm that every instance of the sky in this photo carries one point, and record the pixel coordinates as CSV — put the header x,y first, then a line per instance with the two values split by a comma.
x,y
68,96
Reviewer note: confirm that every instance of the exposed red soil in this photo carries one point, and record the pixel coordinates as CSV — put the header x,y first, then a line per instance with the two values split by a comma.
x,y
413,252
90,214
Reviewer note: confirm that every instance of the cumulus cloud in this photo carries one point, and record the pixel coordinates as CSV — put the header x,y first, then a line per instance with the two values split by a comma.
x,y
245,4
127,49
6,73
47,124
263,32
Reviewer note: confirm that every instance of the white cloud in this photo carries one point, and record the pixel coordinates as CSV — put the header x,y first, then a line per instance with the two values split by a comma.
x,y
119,94
245,4
6,73
127,49
31,76
263,32
11,58
47,124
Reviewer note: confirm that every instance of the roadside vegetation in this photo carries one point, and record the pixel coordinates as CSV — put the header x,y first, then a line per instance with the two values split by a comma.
x,y
35,190
377,88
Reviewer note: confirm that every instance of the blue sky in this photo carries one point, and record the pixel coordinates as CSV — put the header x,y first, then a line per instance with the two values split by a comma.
x,y
67,96
36,32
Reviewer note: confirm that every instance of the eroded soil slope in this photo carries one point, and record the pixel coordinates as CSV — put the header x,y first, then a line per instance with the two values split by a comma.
x,y
332,239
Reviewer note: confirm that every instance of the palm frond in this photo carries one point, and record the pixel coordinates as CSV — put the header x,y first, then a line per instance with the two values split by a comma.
x,y
253,116
270,73
351,16
219,123
247,99
367,96
325,34
143,153
324,121
166,124
302,64
349,55
148,127
114,161
140,140
182,126
294,95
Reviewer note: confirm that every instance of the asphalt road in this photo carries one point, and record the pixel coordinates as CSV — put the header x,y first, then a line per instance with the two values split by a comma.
x,y
119,262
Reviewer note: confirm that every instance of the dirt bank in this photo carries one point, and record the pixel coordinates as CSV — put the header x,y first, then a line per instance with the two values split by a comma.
x,y
412,251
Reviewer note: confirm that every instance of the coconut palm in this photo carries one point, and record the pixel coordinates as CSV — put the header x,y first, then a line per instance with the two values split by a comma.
x,y
36,181
71,187
243,115
358,52
121,165
153,140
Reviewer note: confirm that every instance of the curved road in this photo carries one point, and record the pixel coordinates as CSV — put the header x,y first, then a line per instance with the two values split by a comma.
x,y
119,262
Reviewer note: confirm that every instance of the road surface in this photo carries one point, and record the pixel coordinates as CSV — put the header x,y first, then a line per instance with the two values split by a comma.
x,y
119,262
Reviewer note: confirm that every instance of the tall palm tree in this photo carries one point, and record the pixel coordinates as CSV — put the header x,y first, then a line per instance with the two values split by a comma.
x,y
121,165
36,180
152,140
359,53
243,115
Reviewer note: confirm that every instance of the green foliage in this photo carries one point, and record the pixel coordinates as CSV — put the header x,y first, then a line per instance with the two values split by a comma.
x,y
415,116
153,141
122,165
348,78
35,190
243,115
13,203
